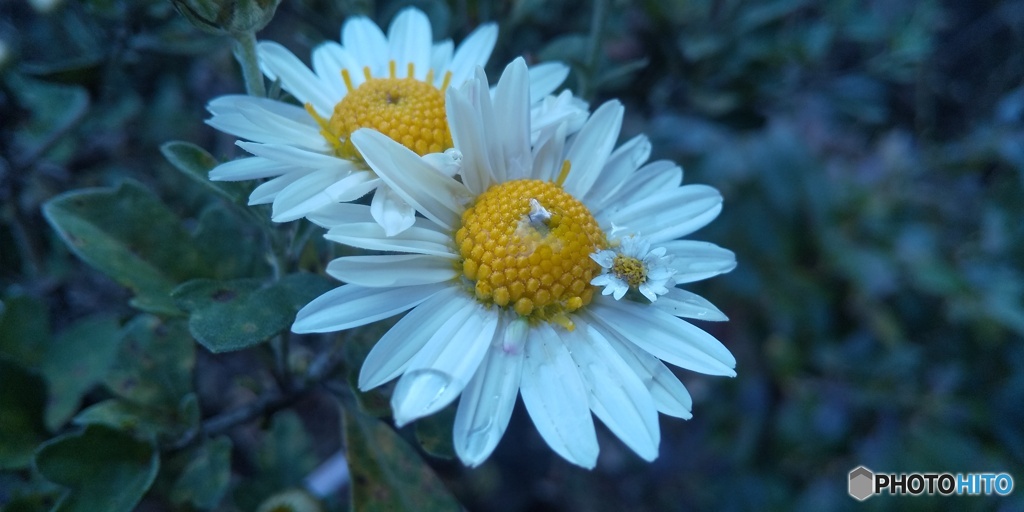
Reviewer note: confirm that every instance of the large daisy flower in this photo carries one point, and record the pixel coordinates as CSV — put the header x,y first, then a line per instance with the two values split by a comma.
x,y
502,278
393,83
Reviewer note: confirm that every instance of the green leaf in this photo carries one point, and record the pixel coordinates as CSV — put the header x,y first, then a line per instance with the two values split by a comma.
x,y
232,315
154,363
570,49
205,478
196,163
129,235
219,236
22,400
54,108
24,330
104,469
79,358
374,402
387,474
284,458
163,423
435,433
236,314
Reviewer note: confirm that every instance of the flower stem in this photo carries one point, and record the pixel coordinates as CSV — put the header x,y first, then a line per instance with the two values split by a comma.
x,y
597,19
245,52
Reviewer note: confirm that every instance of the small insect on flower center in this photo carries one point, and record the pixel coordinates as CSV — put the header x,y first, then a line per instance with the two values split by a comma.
x,y
408,110
630,270
526,245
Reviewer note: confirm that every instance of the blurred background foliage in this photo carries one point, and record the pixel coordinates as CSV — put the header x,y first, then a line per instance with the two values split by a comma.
x,y
871,153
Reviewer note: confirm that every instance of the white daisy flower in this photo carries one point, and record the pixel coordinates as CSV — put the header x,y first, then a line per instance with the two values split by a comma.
x,y
393,83
496,278
633,265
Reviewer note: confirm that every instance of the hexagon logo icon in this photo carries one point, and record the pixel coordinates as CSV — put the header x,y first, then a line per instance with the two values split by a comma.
x,y
862,482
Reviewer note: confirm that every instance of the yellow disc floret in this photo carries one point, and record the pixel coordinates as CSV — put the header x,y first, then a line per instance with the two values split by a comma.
x,y
409,111
630,270
525,245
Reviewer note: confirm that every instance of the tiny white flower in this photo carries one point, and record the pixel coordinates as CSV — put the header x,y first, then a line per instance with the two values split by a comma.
x,y
633,265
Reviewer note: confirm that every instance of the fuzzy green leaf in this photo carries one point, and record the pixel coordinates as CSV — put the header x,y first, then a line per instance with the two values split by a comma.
x,y
104,469
53,109
236,314
24,330
164,423
196,163
79,358
154,363
284,458
22,399
205,478
129,235
435,433
220,235
387,474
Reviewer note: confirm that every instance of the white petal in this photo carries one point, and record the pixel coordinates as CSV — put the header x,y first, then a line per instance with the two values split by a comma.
x,y
592,146
232,103
687,304
329,58
666,337
391,212
390,356
422,238
411,40
468,135
392,270
295,156
440,57
250,121
672,214
669,395
512,107
474,51
623,162
440,371
351,306
617,396
547,154
250,168
693,260
436,196
545,78
295,77
448,163
303,132
340,213
650,180
266,192
487,402
319,189
556,398
366,42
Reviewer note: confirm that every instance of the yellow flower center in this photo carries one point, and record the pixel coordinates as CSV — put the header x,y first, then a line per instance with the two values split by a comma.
x,y
630,270
526,245
409,111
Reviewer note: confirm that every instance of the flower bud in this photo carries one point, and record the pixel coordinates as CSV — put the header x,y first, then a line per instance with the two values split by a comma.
x,y
292,500
227,16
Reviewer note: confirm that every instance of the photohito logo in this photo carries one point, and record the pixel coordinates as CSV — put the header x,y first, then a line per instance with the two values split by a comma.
x,y
864,483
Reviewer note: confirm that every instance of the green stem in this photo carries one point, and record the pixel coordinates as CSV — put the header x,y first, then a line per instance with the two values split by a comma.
x,y
245,52
593,48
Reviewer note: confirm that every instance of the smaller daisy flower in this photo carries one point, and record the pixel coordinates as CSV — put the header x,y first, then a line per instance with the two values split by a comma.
x,y
633,265
394,84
